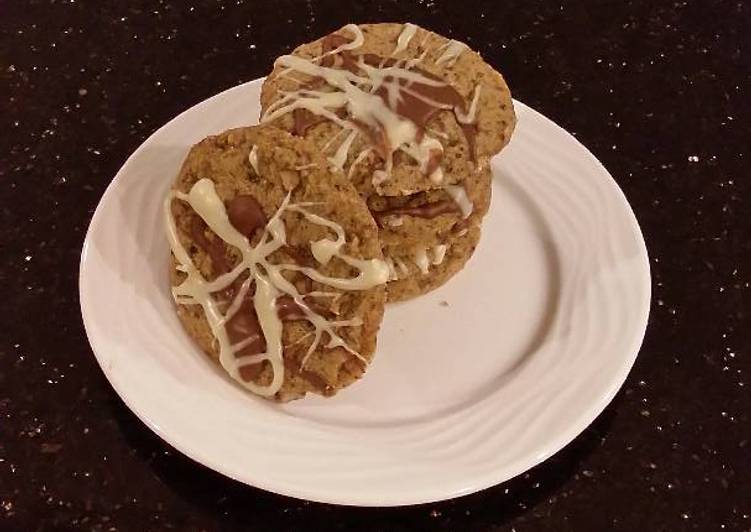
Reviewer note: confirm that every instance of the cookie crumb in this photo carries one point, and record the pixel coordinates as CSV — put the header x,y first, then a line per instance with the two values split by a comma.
x,y
444,303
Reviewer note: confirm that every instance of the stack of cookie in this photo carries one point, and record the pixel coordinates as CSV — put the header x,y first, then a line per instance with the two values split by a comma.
x,y
367,180
411,118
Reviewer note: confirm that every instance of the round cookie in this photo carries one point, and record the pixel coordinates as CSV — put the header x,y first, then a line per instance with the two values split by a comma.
x,y
411,117
277,269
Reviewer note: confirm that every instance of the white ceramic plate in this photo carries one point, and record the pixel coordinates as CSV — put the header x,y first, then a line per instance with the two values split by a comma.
x,y
540,331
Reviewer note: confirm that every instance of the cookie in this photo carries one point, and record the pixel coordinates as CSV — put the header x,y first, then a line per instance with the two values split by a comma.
x,y
277,269
410,117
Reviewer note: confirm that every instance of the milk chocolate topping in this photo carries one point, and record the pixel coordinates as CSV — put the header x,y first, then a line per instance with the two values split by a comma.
x,y
246,214
242,326
215,248
429,210
287,309
411,103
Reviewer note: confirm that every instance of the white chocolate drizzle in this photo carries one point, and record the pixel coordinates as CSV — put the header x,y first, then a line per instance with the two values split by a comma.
x,y
411,63
439,253
360,157
459,194
340,157
351,45
333,139
425,257
253,159
269,281
355,43
469,116
451,52
421,260
408,31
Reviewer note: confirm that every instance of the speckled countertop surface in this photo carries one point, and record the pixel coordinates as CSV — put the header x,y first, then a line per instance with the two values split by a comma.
x,y
660,93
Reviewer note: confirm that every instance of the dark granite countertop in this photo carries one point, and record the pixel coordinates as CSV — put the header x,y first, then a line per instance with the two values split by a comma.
x,y
659,91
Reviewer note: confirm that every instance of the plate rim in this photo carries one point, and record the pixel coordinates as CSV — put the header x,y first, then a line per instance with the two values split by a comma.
x,y
429,494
